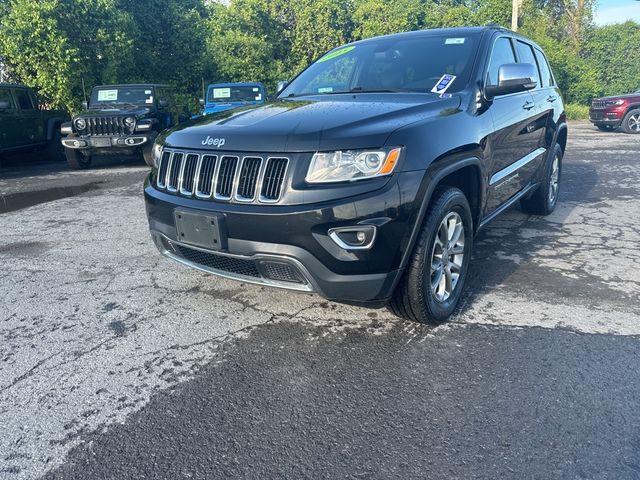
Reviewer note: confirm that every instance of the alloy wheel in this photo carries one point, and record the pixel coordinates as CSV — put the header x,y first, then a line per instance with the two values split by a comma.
x,y
554,180
634,122
447,257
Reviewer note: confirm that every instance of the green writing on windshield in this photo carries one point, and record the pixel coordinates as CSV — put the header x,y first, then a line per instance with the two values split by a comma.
x,y
335,54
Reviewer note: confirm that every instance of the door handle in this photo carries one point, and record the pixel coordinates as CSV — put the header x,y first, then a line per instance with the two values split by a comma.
x,y
551,99
528,105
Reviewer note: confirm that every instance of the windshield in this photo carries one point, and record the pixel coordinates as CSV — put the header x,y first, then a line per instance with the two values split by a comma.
x,y
234,94
121,96
392,64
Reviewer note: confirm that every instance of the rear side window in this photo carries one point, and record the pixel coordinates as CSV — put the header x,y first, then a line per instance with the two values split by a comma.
x,y
24,100
545,71
502,53
5,96
525,54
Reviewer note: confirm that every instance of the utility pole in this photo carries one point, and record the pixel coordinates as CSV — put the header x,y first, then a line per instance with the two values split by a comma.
x,y
514,14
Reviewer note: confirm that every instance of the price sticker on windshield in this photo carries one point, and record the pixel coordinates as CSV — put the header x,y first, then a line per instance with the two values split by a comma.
x,y
443,84
107,95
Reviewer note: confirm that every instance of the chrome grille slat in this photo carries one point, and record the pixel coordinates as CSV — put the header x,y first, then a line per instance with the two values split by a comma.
x,y
248,178
206,176
188,173
273,179
173,175
228,178
162,169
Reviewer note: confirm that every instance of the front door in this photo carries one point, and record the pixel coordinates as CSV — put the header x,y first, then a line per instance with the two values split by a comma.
x,y
29,118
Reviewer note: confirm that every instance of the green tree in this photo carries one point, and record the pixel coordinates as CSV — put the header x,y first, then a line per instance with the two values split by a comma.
x,y
614,52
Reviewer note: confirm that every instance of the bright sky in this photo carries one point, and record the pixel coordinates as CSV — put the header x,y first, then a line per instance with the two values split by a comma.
x,y
617,11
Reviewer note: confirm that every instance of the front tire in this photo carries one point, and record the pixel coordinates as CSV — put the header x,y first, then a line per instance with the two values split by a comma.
x,y
433,281
55,150
631,121
77,160
544,199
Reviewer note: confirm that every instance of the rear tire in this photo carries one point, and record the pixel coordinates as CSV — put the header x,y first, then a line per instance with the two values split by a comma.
x,y
55,149
631,121
77,160
432,284
544,199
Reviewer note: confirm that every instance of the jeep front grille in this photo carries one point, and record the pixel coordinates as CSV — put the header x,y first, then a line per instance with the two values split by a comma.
x,y
224,178
105,126
598,104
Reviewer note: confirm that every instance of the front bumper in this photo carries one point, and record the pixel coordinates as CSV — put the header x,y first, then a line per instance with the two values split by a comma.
x,y
289,246
605,117
106,141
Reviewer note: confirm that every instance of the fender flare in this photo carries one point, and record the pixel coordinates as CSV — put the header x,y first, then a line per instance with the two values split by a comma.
x,y
631,107
51,126
429,183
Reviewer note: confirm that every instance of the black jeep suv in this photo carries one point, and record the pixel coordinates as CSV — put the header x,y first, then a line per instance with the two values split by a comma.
x,y
367,178
119,120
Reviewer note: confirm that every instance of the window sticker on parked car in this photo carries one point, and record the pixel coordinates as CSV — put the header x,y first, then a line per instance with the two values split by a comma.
x,y
255,89
443,84
149,100
454,41
325,89
258,97
222,93
337,53
147,92
107,95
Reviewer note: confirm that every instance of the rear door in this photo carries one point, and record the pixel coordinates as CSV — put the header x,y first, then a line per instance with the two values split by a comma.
x,y
543,114
29,118
515,137
10,135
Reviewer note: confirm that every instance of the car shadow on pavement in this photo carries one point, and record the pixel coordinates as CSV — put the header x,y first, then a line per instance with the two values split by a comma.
x,y
29,164
505,252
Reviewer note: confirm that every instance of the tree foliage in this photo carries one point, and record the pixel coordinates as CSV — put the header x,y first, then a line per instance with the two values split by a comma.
x,y
55,45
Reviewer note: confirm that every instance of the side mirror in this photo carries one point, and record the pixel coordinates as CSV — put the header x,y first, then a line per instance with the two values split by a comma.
x,y
162,103
4,105
85,105
282,84
512,78
201,102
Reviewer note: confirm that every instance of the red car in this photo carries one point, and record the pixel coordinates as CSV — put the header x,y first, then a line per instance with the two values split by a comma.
x,y
609,113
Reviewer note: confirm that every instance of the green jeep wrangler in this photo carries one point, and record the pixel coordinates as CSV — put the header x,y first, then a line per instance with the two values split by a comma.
x,y
24,124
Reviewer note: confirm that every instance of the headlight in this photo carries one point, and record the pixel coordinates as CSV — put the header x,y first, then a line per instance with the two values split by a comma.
x,y
80,123
156,154
350,165
130,122
613,103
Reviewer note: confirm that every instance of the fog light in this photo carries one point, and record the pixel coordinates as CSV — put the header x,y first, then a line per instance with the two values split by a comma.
x,y
359,237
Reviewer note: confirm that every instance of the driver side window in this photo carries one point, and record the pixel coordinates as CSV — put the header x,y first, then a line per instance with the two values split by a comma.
x,y
502,53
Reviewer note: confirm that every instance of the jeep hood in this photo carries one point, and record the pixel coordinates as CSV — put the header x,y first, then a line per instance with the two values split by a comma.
x,y
620,97
137,112
318,123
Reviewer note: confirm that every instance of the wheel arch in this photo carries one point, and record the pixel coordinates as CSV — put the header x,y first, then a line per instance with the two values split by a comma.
x,y
52,124
450,170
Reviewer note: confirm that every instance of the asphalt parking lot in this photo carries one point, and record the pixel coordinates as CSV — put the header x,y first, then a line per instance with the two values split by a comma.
x,y
118,363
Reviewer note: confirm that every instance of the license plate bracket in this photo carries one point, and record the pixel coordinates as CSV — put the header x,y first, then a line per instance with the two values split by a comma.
x,y
101,142
204,230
